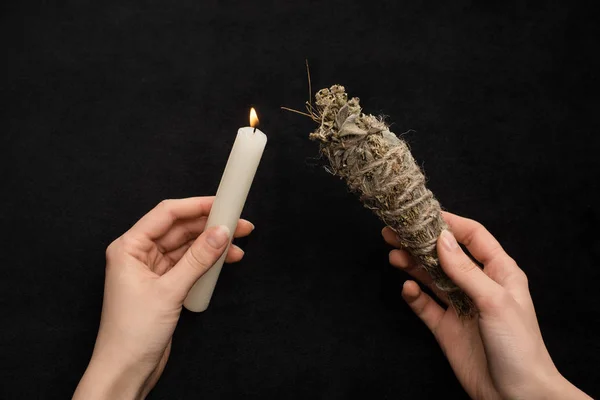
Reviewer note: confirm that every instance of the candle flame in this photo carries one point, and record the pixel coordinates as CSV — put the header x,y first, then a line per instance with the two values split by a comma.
x,y
253,118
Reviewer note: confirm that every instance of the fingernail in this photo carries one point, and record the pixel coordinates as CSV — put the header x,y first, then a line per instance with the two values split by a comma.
x,y
449,241
218,237
240,249
251,224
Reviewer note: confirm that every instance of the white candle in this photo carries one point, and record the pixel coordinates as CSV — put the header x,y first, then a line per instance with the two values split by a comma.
x,y
229,202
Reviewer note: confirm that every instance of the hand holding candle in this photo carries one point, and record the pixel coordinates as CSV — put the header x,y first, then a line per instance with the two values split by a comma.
x,y
235,184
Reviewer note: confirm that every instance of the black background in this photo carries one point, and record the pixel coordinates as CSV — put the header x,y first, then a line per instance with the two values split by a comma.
x,y
109,107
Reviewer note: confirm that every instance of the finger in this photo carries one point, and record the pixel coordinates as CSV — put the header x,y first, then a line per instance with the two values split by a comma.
x,y
162,217
402,260
175,255
234,254
184,231
506,272
180,233
390,237
243,228
463,272
486,249
480,243
198,259
423,306
169,259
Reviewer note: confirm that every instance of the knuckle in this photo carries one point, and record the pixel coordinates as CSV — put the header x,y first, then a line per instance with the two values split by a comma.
x,y
466,266
516,273
512,264
112,253
419,306
110,250
127,243
198,258
524,277
475,230
521,276
167,207
477,226
498,252
113,249
164,203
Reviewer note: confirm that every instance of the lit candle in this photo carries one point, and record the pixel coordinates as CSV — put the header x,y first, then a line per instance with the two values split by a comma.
x,y
229,202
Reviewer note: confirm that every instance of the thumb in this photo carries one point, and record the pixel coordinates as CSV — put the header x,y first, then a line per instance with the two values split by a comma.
x,y
199,258
463,271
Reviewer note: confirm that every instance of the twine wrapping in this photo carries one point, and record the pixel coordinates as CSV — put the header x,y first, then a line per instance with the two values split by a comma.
x,y
378,166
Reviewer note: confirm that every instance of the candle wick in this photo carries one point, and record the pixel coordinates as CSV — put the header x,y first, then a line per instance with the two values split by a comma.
x,y
254,131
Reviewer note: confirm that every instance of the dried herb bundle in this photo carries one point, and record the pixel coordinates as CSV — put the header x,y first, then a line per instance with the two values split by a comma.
x,y
378,166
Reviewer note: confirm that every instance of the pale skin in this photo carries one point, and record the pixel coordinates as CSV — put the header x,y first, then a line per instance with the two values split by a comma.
x,y
149,271
151,268
499,354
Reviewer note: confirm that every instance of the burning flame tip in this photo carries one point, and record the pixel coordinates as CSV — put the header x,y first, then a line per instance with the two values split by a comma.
x,y
253,118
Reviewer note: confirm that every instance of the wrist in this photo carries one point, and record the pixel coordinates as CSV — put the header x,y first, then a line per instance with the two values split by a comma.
x,y
104,380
